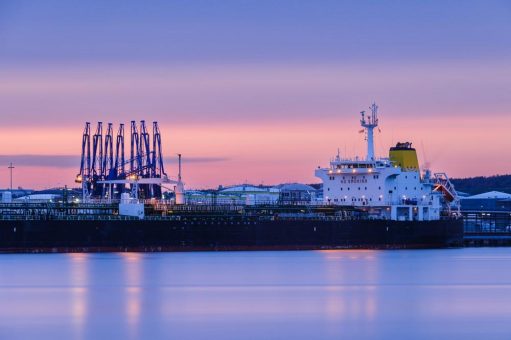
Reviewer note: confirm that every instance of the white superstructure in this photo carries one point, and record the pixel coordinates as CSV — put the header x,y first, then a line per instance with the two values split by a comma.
x,y
388,188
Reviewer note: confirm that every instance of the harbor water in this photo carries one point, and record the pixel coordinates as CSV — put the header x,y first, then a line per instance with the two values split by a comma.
x,y
419,294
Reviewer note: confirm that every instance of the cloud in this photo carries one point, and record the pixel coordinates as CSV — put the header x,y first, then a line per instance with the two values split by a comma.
x,y
57,161
72,161
186,159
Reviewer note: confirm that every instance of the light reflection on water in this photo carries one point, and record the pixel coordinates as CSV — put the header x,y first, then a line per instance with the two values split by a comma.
x,y
312,294
133,280
78,276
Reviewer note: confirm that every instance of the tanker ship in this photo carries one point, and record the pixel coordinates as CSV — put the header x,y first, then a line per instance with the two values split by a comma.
x,y
371,202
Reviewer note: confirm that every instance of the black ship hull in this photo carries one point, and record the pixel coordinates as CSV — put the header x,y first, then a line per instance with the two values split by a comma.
x,y
204,234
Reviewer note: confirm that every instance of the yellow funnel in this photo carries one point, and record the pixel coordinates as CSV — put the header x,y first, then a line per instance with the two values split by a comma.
x,y
405,156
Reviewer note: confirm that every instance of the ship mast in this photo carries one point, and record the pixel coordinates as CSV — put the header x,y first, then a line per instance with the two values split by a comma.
x,y
369,122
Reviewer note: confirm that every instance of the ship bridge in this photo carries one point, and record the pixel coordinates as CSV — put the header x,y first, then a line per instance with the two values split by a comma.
x,y
353,166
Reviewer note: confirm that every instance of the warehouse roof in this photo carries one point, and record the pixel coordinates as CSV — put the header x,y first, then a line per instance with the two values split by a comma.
x,y
490,195
295,187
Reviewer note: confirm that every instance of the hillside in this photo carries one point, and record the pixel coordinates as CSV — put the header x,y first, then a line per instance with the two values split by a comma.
x,y
477,185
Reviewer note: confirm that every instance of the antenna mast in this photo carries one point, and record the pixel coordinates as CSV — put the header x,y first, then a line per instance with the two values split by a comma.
x,y
369,122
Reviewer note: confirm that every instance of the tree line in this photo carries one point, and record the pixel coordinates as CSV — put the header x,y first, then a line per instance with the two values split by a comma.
x,y
480,184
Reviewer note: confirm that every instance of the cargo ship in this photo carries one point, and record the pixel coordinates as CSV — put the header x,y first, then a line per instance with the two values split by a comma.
x,y
370,203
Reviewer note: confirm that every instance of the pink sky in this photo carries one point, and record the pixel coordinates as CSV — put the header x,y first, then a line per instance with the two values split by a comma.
x,y
261,124
256,91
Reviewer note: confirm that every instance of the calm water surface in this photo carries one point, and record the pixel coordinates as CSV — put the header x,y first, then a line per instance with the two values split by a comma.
x,y
425,294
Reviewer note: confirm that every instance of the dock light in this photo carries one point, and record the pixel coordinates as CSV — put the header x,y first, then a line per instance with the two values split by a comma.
x,y
78,179
370,170
339,171
132,177
354,170
330,171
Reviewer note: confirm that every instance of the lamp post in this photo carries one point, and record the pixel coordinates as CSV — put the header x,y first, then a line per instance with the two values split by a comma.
x,y
10,169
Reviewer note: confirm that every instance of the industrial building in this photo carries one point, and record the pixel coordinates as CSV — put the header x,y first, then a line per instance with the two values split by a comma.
x,y
487,212
289,193
489,201
296,194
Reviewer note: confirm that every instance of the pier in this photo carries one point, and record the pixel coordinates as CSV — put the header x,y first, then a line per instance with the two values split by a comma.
x,y
487,228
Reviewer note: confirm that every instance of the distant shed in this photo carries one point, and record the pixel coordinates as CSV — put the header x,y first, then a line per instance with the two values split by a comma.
x,y
488,201
296,193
